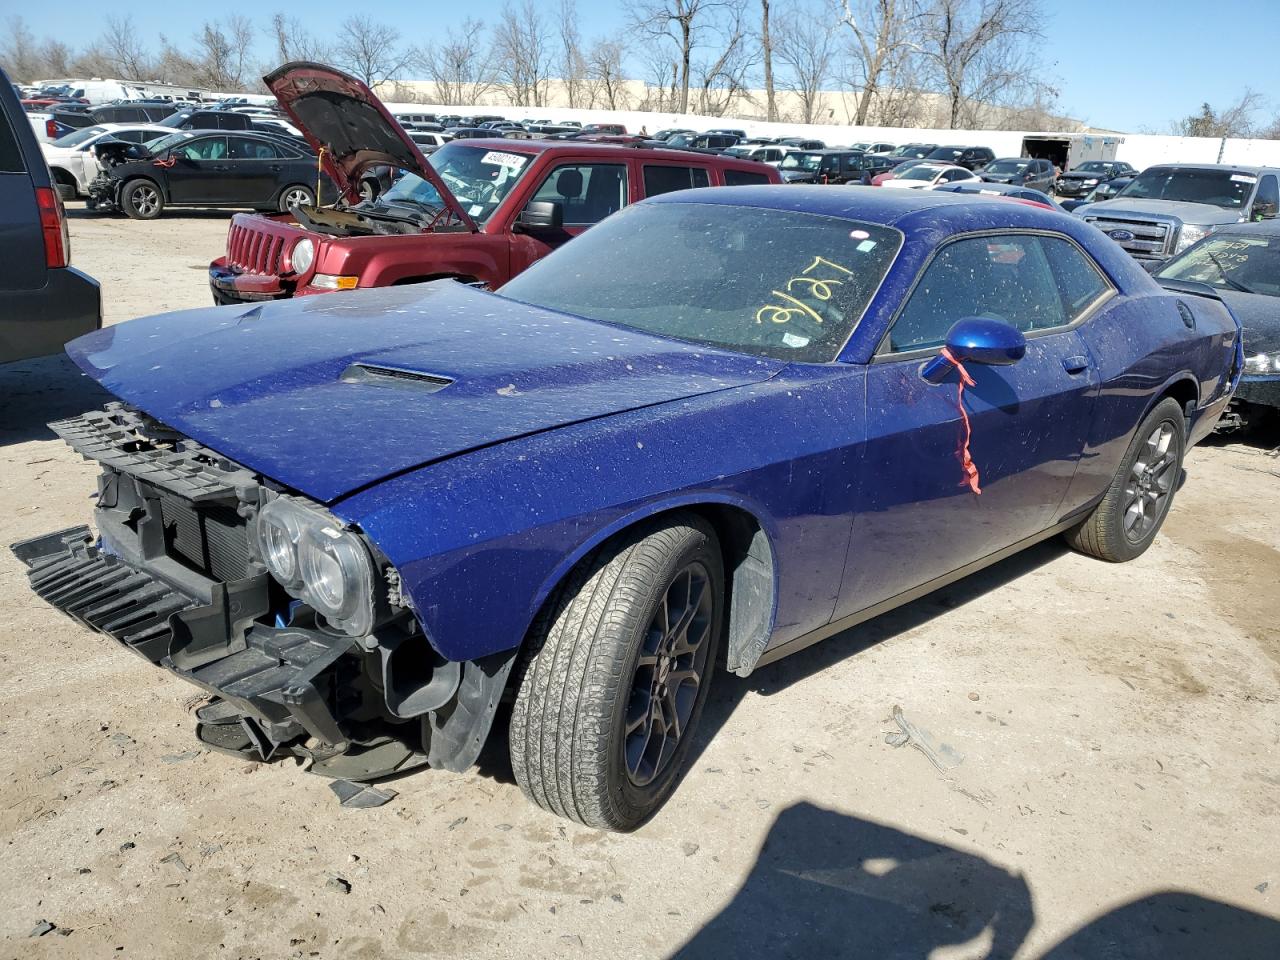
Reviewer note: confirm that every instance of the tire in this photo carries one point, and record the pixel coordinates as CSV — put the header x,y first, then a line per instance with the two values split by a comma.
x,y
296,195
142,200
598,663
1133,509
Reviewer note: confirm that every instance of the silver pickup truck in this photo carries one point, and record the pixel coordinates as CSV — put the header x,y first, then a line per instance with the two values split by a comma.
x,y
1169,207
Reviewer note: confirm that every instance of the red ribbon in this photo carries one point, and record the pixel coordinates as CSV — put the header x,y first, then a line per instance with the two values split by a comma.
x,y
166,163
967,465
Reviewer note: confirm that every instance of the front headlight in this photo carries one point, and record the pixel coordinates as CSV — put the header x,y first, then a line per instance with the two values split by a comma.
x,y
1191,233
1090,183
1263,363
318,562
302,255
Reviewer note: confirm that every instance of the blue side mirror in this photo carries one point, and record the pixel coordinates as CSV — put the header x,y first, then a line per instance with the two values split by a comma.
x,y
978,340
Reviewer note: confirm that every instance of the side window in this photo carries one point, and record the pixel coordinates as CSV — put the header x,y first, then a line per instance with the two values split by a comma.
x,y
1268,192
10,153
586,192
667,179
1003,277
206,148
1079,281
134,136
242,148
740,178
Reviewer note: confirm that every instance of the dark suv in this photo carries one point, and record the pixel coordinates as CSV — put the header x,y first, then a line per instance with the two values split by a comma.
x,y
971,158
822,166
44,302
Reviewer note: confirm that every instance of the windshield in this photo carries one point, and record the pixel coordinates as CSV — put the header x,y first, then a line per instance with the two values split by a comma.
x,y
1006,166
801,161
920,172
479,178
77,137
1250,264
1093,166
1220,188
946,153
764,282
175,119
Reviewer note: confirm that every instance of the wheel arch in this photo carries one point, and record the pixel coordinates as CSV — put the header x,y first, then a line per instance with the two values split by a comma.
x,y
750,562
135,177
1181,387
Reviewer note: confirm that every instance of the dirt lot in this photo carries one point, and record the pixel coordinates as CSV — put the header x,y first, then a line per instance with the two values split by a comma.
x,y
1117,795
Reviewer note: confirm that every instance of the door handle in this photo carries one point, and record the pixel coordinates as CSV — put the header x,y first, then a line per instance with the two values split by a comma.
x,y
1074,365
221,166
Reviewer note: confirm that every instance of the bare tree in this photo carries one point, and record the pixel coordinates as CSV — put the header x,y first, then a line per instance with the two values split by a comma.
x,y
294,42
521,58
20,54
56,57
978,48
369,50
805,47
766,55
460,67
124,51
221,54
1234,120
573,65
678,22
722,78
881,31
607,87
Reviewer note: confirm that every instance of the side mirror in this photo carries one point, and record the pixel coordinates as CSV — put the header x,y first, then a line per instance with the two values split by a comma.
x,y
978,340
1264,210
541,215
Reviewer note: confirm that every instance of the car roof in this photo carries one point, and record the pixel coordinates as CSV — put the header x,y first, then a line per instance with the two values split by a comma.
x,y
625,149
1225,167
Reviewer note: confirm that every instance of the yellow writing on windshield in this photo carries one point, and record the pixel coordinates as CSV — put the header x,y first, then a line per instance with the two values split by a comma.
x,y
819,287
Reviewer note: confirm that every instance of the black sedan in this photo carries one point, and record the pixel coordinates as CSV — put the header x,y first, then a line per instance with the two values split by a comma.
x,y
1242,263
205,168
1080,181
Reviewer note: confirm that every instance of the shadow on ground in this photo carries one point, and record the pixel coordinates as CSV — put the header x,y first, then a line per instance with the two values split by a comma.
x,y
829,885
35,392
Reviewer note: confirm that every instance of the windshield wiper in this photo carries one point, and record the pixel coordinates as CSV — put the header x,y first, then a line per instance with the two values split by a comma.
x,y
1232,283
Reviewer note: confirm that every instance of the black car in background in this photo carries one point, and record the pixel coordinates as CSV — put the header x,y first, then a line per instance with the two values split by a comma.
x,y
822,166
44,302
1080,181
1106,190
205,168
985,189
874,164
971,158
912,151
208,120
1021,172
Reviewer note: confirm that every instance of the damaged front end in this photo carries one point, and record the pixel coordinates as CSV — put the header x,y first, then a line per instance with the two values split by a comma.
x,y
104,189
290,620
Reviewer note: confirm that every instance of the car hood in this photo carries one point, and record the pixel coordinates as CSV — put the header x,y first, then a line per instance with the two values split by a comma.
x,y
329,394
1198,213
342,117
1001,177
1082,175
1259,315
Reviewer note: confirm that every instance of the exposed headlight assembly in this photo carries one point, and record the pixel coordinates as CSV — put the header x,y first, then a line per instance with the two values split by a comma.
x,y
318,562
302,255
1263,364
1191,233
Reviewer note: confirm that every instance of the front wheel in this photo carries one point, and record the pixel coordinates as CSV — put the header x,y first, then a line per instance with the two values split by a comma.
x,y
621,664
142,200
296,196
1127,520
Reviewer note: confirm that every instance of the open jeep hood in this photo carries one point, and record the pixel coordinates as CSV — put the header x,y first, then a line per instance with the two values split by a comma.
x,y
350,129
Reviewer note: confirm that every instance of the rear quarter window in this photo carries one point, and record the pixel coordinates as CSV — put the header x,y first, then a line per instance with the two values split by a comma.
x,y
741,178
667,179
10,152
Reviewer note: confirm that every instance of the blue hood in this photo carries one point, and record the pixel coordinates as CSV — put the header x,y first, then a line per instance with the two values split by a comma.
x,y
328,394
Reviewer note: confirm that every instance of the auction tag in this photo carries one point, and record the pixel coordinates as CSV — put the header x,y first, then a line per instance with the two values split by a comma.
x,y
499,159
794,340
1244,178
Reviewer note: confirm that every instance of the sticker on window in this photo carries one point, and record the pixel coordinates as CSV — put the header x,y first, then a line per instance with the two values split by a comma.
x,y
500,159
1243,178
794,341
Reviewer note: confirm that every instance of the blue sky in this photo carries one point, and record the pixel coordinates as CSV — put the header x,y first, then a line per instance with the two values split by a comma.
x,y
1132,67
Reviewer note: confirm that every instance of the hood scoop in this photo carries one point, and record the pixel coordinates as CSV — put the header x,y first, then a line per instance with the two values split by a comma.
x,y
415,380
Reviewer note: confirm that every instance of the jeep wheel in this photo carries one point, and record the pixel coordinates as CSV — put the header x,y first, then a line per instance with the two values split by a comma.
x,y
621,662
296,196
142,200
1123,525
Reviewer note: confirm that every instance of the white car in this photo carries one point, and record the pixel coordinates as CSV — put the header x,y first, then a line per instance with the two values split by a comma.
x,y
276,124
72,161
925,175
425,138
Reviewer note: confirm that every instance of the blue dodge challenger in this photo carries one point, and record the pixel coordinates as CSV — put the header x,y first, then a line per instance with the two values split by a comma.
x,y
720,426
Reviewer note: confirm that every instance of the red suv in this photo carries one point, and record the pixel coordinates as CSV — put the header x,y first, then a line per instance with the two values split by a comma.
x,y
479,210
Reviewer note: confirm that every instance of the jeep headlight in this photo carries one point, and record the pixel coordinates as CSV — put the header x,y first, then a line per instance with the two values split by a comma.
x,y
318,562
1191,233
1263,363
302,255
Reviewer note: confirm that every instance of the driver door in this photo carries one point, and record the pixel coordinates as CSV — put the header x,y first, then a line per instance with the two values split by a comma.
x,y
198,174
916,517
586,193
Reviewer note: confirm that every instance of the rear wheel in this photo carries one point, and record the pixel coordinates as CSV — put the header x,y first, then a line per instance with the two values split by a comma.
x,y
1127,520
142,200
296,196
621,665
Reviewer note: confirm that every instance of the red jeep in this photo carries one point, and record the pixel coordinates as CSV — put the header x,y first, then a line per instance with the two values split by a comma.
x,y
478,210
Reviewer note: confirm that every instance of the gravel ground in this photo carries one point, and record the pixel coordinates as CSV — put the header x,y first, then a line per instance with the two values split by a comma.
x,y
1116,792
